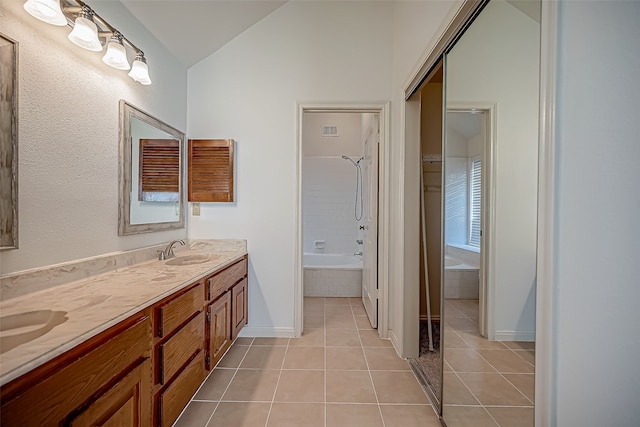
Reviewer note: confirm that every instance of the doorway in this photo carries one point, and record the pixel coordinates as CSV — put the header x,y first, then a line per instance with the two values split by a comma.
x,y
365,236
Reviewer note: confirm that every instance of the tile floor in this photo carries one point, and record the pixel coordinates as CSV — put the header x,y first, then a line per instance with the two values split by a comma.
x,y
486,383
339,373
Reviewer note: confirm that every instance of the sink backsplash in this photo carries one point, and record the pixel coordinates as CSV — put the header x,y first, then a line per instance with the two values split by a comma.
x,y
28,281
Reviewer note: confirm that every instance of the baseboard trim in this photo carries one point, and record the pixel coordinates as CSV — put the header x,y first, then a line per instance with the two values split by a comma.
x,y
266,332
529,336
433,318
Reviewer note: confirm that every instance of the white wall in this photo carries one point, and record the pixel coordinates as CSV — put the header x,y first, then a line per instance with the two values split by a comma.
x,y
596,289
248,90
68,136
486,65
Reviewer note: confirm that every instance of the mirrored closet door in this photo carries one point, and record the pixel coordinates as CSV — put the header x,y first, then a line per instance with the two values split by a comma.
x,y
489,196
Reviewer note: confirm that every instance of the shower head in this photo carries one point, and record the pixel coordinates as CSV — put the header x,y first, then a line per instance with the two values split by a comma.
x,y
352,161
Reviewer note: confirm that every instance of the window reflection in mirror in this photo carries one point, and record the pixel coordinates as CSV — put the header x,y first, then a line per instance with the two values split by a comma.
x,y
151,173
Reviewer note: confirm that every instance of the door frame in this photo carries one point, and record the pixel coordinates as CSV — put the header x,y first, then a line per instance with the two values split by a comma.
x,y
382,109
488,221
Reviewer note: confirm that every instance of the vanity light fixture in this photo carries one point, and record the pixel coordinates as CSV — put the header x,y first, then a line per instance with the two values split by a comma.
x,y
85,32
48,11
116,55
140,71
91,32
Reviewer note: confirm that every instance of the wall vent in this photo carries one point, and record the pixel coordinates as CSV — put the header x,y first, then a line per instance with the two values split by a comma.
x,y
329,130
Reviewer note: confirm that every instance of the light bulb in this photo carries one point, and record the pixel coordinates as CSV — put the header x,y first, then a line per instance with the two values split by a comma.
x,y
116,55
85,34
48,11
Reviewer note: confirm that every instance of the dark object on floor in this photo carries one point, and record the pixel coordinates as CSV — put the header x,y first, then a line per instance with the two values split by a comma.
x,y
429,361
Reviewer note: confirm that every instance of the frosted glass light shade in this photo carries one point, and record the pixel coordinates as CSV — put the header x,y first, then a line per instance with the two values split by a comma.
x,y
140,72
48,11
116,56
85,35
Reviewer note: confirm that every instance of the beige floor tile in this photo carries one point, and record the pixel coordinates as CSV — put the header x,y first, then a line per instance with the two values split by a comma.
x,y
296,415
215,385
340,322
467,416
252,385
264,357
462,324
370,338
477,341
452,312
466,360
362,322
493,389
455,392
316,309
471,308
528,355
447,367
523,382
358,310
234,356
310,338
451,339
336,301
312,322
283,342
384,358
337,310
353,415
520,345
240,414
300,386
350,386
196,414
506,361
398,387
409,416
243,341
345,358
304,358
342,338
512,417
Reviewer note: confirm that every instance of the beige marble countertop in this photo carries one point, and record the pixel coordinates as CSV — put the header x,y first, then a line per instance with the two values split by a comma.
x,y
96,303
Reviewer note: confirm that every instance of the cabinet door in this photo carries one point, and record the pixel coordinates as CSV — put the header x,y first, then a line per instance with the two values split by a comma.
x,y
238,308
219,316
125,404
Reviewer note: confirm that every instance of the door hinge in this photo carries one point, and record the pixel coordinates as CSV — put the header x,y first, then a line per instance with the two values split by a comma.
x,y
208,316
207,360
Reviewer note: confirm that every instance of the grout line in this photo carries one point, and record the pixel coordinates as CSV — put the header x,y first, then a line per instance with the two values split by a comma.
x,y
275,391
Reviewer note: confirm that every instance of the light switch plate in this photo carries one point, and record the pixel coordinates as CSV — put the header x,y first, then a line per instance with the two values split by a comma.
x,y
195,209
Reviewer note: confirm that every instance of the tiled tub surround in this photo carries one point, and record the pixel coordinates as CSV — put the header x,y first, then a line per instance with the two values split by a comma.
x,y
461,273
95,303
332,275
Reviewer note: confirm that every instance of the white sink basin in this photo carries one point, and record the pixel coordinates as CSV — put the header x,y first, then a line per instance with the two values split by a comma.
x,y
17,329
189,259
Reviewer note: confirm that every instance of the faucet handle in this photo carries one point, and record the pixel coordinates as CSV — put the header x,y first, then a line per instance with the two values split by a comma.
x,y
161,255
359,241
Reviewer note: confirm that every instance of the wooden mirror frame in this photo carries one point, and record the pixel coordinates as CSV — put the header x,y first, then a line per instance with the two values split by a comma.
x,y
127,111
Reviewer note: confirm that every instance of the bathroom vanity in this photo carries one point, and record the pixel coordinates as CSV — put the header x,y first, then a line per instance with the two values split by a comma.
x,y
137,353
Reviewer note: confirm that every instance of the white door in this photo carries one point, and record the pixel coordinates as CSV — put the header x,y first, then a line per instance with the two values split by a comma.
x,y
370,220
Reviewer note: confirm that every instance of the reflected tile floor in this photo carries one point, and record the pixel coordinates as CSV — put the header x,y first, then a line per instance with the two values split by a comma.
x,y
486,383
338,374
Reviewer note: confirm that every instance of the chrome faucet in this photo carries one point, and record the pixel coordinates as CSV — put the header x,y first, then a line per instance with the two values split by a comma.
x,y
168,251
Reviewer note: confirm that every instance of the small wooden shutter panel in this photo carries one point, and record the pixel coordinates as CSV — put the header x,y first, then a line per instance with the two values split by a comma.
x,y
159,167
211,170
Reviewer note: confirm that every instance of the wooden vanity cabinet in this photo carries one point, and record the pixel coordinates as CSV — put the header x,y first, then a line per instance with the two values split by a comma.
x,y
227,309
104,381
179,352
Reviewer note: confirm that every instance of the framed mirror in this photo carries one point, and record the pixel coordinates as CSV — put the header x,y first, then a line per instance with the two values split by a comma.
x,y
8,143
151,174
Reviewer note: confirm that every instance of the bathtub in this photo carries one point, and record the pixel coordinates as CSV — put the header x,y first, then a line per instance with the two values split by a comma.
x,y
332,275
461,278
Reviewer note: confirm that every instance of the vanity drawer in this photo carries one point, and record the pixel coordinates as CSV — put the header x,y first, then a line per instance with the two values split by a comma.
x,y
175,397
174,312
177,350
226,278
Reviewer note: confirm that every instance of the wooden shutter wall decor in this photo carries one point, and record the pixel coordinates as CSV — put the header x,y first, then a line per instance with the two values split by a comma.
x,y
211,170
159,170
